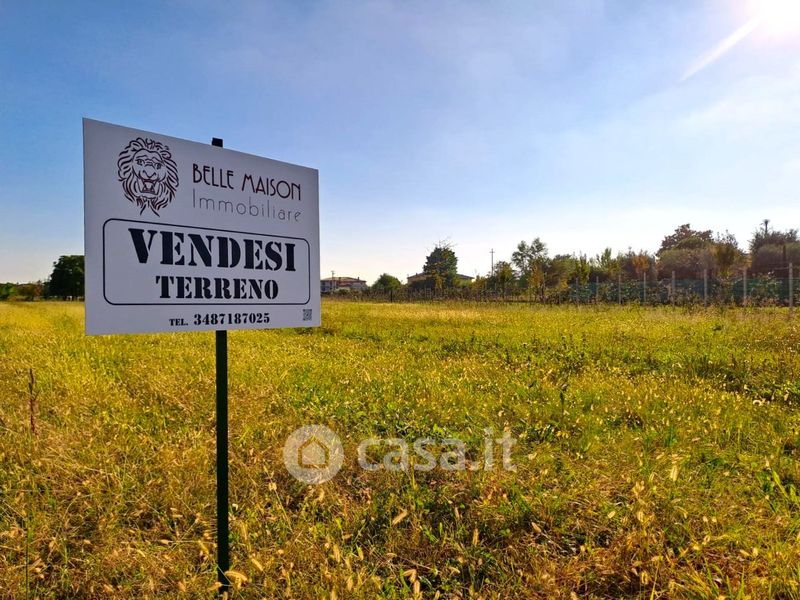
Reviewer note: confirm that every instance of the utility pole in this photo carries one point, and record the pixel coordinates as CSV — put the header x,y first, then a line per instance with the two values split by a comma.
x,y
492,253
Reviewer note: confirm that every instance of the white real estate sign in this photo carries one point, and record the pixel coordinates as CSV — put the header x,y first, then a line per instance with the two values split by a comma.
x,y
183,236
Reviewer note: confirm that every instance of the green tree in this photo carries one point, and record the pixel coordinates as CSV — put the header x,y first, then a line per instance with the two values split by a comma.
x,y
766,236
7,291
559,270
771,258
503,276
386,283
607,265
686,263
727,254
686,238
641,262
530,260
67,278
442,265
479,283
581,268
30,291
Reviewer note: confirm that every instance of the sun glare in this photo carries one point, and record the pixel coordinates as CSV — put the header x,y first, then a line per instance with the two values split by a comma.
x,y
779,18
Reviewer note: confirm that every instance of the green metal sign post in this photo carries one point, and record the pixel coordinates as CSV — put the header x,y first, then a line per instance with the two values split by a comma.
x,y
223,547
197,238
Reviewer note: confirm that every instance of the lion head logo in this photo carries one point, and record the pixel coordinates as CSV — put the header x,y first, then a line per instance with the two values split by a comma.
x,y
148,174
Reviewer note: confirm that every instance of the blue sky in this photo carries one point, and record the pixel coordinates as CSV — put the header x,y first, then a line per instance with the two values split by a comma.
x,y
588,123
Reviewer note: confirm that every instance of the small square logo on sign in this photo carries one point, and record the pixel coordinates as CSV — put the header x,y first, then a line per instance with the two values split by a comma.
x,y
307,314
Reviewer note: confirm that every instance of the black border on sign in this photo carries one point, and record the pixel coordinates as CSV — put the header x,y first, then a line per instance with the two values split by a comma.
x,y
201,304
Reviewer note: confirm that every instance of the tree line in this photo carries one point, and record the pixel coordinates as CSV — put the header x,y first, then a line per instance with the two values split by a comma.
x,y
66,281
686,253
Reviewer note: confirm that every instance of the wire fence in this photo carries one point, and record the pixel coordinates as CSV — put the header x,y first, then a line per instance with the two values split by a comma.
x,y
743,290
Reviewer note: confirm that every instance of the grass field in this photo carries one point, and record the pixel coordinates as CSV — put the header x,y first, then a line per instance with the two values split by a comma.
x,y
657,455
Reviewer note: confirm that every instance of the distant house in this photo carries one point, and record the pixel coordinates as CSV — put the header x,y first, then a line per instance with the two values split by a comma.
x,y
416,278
421,277
331,284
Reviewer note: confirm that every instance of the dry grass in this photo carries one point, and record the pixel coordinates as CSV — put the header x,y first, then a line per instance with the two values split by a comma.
x,y
670,470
